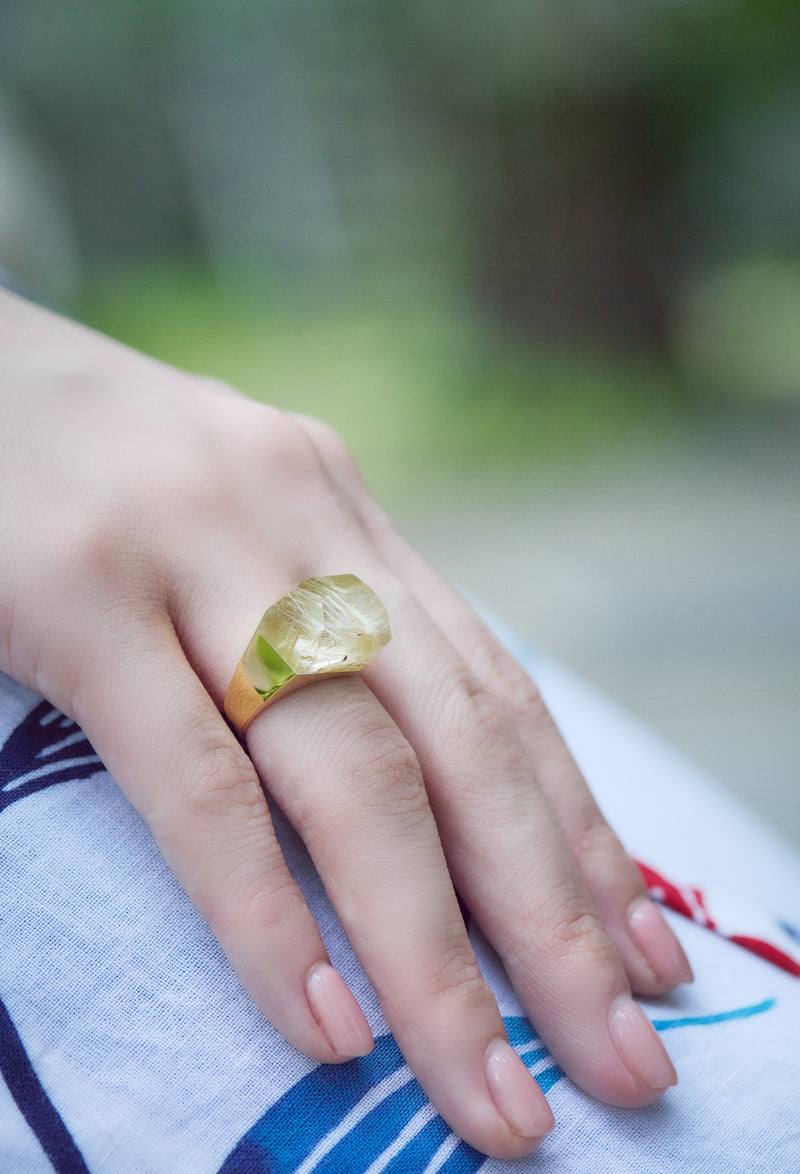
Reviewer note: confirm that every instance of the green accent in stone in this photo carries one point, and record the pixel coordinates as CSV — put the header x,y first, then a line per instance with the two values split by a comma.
x,y
275,668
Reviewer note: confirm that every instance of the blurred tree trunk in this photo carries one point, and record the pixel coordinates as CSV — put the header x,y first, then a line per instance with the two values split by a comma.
x,y
578,236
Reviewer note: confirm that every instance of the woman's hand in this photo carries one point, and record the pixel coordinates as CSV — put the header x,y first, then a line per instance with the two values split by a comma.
x,y
147,519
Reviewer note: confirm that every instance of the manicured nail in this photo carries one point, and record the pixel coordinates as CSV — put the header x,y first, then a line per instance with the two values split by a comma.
x,y
638,1045
339,1016
655,939
516,1095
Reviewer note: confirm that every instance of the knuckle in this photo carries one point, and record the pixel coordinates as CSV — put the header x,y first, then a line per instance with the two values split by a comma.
x,y
454,974
107,565
95,548
595,839
328,442
382,771
510,681
370,770
489,723
287,449
479,723
219,777
475,712
262,907
578,934
603,858
524,698
247,440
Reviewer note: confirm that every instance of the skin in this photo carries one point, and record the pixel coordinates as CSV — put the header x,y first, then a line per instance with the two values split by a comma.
x,y
147,518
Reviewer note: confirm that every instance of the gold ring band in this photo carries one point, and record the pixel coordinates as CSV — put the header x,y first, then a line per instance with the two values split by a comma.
x,y
325,627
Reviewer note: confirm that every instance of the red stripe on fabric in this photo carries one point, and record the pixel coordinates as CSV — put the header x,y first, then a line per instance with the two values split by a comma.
x,y
669,894
766,951
700,899
690,902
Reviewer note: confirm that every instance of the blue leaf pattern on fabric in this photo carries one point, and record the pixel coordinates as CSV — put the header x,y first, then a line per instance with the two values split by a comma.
x,y
34,1103
44,749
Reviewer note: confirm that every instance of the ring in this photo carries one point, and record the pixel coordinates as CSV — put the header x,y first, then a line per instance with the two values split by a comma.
x,y
326,626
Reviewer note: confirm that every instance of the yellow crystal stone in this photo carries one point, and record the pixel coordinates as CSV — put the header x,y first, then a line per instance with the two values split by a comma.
x,y
331,624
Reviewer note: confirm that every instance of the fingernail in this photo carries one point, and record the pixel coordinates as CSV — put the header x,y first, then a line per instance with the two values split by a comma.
x,y
339,1016
655,939
516,1095
638,1045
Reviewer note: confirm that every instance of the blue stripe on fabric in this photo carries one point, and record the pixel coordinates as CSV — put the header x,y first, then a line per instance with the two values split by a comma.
x,y
535,1055
722,1017
519,1030
282,1140
463,1160
420,1149
375,1132
547,1078
34,1103
288,1132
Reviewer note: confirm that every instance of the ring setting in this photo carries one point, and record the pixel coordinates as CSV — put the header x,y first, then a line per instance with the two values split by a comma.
x,y
326,626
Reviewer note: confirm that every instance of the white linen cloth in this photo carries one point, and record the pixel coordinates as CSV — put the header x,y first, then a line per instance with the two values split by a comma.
x,y
144,1050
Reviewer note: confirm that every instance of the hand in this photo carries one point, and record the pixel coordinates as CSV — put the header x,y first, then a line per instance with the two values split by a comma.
x,y
147,519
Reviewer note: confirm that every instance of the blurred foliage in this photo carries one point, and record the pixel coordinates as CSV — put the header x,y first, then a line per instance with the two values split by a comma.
x,y
478,211
420,392
740,330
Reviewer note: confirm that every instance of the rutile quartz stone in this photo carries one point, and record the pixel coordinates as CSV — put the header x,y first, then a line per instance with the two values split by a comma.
x,y
332,624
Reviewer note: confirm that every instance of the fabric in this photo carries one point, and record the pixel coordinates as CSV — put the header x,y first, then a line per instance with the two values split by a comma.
x,y
747,926
127,1045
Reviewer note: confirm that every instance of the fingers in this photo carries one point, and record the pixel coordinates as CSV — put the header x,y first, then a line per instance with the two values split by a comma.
x,y
161,736
653,957
624,1061
350,783
509,860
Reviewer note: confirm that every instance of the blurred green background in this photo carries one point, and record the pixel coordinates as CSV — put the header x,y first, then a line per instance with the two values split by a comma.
x,y
537,260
